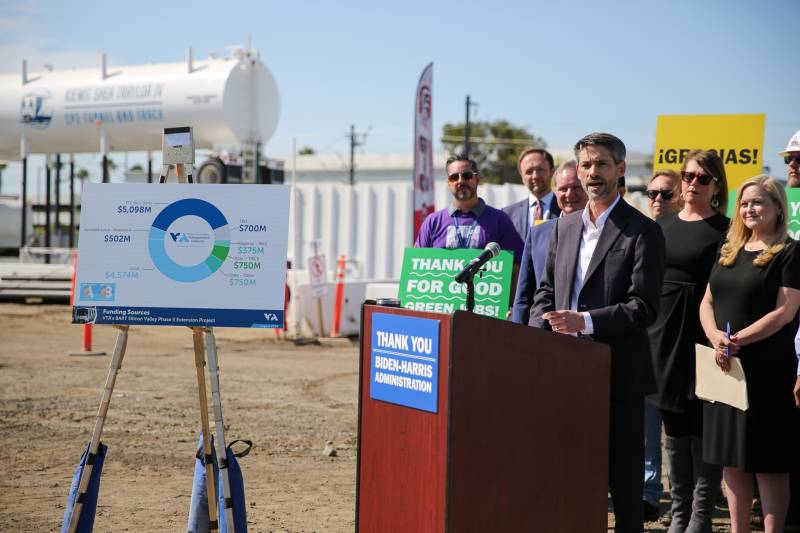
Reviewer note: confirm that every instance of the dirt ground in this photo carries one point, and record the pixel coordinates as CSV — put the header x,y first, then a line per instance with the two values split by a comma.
x,y
289,400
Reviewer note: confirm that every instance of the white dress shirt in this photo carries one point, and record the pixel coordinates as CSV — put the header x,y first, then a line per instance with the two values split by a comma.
x,y
546,201
589,238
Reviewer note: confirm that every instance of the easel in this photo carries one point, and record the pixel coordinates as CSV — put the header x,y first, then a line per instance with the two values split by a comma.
x,y
184,175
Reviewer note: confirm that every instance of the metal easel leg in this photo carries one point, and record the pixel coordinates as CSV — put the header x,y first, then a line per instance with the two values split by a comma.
x,y
222,454
94,444
200,363
164,174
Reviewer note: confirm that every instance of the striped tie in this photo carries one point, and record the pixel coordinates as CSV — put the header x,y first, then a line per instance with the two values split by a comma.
x,y
537,211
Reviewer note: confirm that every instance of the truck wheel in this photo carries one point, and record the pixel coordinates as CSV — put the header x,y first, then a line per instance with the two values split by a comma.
x,y
212,171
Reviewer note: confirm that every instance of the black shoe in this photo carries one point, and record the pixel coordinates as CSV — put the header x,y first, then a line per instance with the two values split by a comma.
x,y
651,512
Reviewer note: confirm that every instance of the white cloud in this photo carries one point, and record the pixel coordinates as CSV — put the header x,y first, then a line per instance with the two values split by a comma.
x,y
22,37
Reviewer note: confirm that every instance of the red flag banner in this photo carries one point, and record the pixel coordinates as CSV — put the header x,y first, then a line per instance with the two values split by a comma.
x,y
423,149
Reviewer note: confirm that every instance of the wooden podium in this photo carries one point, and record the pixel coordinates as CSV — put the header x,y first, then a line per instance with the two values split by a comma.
x,y
518,442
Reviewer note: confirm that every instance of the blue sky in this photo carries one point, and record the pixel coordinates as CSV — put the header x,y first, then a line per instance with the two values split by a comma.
x,y
562,69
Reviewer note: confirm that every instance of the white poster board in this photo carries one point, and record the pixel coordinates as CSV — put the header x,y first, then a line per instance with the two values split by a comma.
x,y
317,276
182,255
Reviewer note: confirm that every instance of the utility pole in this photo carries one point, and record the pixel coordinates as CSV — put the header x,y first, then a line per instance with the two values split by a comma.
x,y
469,104
466,131
356,139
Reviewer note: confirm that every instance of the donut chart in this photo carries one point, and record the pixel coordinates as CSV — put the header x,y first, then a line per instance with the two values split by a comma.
x,y
158,239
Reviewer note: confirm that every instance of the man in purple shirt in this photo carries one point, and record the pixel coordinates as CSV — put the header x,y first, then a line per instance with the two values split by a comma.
x,y
468,222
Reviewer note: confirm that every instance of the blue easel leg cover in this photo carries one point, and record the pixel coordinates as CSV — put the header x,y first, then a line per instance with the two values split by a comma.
x,y
198,508
86,521
237,498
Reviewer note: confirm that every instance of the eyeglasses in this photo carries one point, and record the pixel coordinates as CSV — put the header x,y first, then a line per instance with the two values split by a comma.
x,y
666,194
703,179
466,176
789,158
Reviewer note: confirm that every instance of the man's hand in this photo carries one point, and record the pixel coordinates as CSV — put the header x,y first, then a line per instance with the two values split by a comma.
x,y
567,322
797,392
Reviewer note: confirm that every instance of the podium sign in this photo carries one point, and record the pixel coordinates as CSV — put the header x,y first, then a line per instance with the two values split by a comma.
x,y
427,284
405,361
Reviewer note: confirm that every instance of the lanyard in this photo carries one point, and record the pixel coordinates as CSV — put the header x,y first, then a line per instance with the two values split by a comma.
x,y
463,242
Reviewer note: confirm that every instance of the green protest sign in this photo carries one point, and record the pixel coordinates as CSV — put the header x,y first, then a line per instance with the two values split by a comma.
x,y
427,284
792,205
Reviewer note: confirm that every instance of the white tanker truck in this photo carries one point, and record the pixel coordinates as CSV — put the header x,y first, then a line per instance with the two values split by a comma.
x,y
232,105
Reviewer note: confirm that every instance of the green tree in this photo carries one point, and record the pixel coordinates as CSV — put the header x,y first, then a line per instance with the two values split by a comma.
x,y
82,174
306,150
137,168
2,168
494,146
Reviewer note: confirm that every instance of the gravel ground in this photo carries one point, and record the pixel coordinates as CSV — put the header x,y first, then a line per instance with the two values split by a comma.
x,y
289,400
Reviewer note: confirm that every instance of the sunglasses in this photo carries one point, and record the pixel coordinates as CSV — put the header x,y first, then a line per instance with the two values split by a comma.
x,y
703,179
666,194
789,158
466,176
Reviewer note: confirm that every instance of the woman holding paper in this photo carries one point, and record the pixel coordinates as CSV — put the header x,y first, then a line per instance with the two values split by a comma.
x,y
693,236
755,287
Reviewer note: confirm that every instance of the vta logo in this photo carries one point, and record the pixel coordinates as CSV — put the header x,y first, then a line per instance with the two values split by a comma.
x,y
179,237
272,317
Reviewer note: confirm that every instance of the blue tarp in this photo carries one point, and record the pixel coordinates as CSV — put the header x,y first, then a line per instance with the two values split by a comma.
x,y
198,508
86,521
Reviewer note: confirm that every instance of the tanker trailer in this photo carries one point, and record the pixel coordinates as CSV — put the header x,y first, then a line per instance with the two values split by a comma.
x,y
231,103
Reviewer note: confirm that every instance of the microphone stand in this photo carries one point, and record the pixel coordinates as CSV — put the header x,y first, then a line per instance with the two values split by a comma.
x,y
471,290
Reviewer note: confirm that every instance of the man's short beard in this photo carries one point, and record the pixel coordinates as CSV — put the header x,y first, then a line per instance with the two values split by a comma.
x,y
606,192
464,194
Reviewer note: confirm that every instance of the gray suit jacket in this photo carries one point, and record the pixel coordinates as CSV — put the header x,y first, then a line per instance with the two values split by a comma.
x,y
621,290
531,269
518,213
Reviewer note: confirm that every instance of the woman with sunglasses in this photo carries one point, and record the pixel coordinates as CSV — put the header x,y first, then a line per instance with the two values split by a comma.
x,y
662,193
754,293
693,236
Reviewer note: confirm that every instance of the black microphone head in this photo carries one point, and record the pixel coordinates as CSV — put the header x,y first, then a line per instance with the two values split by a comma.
x,y
494,248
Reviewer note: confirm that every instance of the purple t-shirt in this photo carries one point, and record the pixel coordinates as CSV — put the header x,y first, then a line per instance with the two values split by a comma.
x,y
451,228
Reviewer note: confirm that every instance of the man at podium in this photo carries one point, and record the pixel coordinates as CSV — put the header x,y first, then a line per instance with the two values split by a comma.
x,y
602,280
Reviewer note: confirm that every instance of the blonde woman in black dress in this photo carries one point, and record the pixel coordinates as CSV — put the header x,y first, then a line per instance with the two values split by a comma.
x,y
755,287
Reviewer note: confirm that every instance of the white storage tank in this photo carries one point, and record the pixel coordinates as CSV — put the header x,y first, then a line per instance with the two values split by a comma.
x,y
124,108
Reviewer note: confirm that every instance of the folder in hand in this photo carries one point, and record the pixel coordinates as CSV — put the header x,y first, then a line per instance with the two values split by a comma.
x,y
714,385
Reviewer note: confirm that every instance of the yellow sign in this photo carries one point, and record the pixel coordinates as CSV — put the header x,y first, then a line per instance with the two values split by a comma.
x,y
737,139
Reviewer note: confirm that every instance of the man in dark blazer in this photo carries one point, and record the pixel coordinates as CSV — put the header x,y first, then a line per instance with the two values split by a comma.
x,y
536,167
570,197
602,279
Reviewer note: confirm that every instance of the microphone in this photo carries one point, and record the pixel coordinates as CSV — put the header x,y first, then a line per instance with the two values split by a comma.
x,y
491,250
